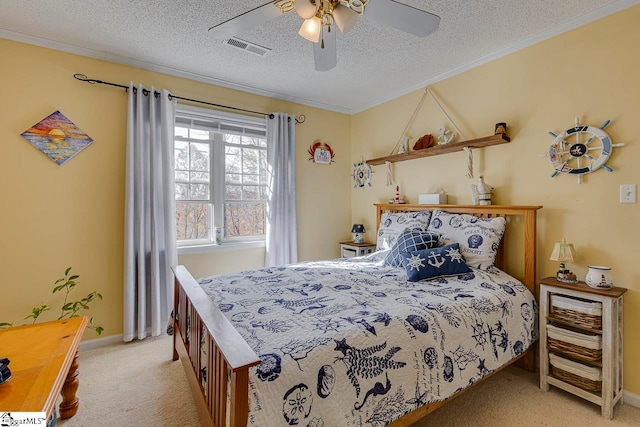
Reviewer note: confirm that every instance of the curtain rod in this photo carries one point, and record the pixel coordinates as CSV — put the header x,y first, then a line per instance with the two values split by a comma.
x,y
84,78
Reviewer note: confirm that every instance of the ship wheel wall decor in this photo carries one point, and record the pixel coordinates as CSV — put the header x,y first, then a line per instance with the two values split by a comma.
x,y
580,150
361,175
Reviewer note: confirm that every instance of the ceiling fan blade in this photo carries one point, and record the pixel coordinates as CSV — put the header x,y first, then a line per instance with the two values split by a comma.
x,y
245,21
402,17
325,58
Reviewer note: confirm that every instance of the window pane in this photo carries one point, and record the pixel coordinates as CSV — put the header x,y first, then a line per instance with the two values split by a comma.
x,y
200,177
182,176
183,132
192,221
250,162
263,162
250,192
233,139
181,154
182,191
198,134
232,160
199,159
233,178
264,193
244,219
255,141
233,192
250,179
199,192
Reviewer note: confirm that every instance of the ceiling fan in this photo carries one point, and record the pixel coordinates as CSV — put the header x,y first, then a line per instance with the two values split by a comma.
x,y
322,16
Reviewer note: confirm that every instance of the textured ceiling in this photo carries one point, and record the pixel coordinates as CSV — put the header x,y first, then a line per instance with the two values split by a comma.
x,y
375,62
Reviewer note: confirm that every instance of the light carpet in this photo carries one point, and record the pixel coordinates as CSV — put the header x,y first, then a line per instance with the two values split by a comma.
x,y
137,384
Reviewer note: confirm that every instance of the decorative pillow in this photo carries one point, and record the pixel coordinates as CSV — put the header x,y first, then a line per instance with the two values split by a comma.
x,y
408,241
436,262
392,224
479,238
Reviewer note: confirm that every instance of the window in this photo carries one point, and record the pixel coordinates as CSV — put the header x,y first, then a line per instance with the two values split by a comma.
x,y
220,176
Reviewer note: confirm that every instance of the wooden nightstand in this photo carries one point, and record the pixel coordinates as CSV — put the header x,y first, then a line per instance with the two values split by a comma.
x,y
350,249
558,321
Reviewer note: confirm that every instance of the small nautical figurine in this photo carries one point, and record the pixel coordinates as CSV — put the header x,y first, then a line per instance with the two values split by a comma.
x,y
445,136
397,200
481,193
404,145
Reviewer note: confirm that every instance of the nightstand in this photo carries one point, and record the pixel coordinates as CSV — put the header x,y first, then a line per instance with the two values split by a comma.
x,y
350,249
581,341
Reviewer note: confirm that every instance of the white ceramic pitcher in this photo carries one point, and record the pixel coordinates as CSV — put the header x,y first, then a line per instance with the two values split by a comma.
x,y
599,277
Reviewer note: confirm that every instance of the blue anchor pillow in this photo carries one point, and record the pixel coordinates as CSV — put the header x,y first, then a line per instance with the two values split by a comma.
x,y
479,238
436,262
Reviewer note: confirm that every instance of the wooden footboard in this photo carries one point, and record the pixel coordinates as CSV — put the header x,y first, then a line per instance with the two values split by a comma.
x,y
196,320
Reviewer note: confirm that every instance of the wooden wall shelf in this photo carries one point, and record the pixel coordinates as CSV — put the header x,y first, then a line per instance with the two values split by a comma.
x,y
442,149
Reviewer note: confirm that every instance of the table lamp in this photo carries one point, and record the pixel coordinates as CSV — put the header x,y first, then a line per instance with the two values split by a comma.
x,y
358,231
564,252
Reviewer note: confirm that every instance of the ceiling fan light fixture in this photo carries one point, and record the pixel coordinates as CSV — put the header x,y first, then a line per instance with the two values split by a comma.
x,y
345,18
311,29
307,9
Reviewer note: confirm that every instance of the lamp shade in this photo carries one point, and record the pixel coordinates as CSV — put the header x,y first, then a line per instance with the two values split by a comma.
x,y
307,9
345,18
563,252
311,28
358,228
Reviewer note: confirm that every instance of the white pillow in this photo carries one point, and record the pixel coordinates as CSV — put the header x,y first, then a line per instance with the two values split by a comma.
x,y
393,224
478,238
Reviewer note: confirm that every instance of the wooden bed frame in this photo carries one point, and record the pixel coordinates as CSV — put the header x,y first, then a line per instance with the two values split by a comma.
x,y
230,357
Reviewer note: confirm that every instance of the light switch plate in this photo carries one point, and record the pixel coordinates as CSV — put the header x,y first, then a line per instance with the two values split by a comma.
x,y
627,193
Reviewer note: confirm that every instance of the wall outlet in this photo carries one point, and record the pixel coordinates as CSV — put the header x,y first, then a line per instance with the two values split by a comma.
x,y
627,193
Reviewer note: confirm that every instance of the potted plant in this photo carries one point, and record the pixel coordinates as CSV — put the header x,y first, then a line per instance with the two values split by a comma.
x,y
69,308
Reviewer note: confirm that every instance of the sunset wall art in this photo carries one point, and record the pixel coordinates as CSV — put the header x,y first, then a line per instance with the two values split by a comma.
x,y
57,137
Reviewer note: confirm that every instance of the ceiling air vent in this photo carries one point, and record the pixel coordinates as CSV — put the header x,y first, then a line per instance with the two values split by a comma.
x,y
247,46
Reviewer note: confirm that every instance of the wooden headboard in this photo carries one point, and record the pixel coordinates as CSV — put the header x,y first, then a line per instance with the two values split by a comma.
x,y
528,213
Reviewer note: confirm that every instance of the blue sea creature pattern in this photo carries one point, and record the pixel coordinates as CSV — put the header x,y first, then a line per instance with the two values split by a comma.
x,y
354,334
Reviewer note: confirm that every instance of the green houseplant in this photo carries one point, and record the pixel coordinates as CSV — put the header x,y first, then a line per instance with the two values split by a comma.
x,y
69,308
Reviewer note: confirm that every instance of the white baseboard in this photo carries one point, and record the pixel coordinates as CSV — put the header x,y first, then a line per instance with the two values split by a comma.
x,y
631,399
100,342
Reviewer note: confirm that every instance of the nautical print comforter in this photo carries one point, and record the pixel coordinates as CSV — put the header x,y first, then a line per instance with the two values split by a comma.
x,y
350,342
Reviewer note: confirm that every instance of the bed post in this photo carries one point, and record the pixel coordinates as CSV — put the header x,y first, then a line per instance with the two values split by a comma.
x,y
528,360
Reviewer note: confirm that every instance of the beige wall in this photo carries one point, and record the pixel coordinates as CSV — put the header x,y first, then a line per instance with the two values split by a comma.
x,y
55,216
589,72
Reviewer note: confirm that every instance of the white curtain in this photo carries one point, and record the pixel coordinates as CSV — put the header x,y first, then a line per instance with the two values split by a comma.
x,y
281,236
150,243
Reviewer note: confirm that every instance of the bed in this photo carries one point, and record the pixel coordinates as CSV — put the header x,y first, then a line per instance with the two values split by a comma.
x,y
354,342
